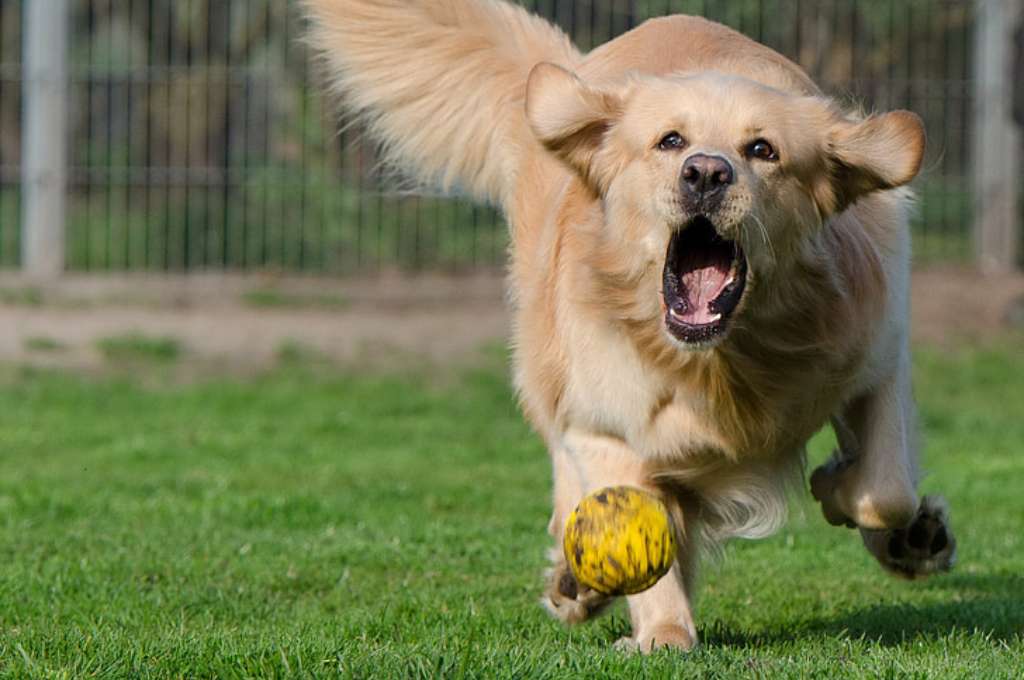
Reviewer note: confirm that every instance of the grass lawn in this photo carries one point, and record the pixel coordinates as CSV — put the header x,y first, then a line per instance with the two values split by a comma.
x,y
313,523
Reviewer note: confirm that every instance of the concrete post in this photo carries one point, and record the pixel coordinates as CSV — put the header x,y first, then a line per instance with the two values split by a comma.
x,y
45,138
997,138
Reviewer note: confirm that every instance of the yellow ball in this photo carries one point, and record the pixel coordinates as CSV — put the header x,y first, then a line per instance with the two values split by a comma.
x,y
619,541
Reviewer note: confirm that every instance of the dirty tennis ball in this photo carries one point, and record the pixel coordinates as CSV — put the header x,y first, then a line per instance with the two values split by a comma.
x,y
619,541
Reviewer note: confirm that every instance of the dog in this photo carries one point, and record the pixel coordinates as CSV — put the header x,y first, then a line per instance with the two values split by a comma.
x,y
709,263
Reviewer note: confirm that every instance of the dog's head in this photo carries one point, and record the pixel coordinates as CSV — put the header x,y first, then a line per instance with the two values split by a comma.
x,y
719,180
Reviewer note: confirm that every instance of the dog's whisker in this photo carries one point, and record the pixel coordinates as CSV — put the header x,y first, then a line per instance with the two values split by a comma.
x,y
767,239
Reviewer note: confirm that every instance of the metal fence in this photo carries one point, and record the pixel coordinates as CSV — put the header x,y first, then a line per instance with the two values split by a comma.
x,y
199,140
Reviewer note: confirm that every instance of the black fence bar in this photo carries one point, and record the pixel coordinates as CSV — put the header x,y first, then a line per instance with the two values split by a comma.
x,y
10,132
200,141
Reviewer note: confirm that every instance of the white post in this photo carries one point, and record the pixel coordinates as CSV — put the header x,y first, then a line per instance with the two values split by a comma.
x,y
997,140
45,138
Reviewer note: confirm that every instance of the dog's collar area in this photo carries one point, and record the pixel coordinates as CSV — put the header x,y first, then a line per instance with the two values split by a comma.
x,y
703,281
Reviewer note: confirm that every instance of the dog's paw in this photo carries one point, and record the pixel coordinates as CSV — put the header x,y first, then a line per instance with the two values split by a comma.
x,y
824,481
668,636
567,600
925,547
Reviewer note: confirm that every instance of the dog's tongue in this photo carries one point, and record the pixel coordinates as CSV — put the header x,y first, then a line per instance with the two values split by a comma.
x,y
702,282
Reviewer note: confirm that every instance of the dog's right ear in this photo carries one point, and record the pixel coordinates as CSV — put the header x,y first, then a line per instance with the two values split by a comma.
x,y
571,118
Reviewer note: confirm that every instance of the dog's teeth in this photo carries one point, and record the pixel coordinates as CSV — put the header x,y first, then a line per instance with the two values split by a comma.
x,y
731,280
715,318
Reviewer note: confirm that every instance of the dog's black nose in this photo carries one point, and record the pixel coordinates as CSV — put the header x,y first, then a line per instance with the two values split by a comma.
x,y
705,175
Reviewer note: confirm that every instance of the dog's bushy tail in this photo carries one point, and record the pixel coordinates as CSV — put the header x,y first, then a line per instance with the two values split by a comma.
x,y
439,83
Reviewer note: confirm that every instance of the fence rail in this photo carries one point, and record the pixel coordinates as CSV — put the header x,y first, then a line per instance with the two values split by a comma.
x,y
198,139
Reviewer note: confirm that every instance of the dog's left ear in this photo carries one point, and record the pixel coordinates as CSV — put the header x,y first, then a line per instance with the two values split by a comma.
x,y
571,118
881,152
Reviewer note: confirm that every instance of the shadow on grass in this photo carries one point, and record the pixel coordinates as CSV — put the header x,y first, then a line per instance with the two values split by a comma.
x,y
999,620
991,605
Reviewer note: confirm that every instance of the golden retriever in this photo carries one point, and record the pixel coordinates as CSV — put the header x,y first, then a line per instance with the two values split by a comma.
x,y
709,262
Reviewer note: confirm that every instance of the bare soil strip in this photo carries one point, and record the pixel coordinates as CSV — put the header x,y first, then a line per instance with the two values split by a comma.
x,y
250,322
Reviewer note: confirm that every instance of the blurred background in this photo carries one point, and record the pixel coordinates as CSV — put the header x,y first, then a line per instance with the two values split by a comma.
x,y
185,139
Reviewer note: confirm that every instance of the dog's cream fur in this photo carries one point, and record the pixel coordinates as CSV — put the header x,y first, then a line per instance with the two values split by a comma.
x,y
482,97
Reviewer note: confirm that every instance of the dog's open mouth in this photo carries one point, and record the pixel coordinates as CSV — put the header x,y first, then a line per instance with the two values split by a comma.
x,y
704,279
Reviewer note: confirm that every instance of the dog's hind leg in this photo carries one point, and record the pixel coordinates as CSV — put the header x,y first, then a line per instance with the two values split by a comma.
x,y
871,482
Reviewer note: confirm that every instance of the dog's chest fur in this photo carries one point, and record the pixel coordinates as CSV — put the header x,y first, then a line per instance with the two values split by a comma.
x,y
724,404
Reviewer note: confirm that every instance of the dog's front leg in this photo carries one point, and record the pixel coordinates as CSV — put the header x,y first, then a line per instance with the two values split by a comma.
x,y
871,481
564,597
661,616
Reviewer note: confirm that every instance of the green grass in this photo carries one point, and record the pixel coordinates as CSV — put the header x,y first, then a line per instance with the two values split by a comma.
x,y
21,296
41,343
135,347
317,524
297,354
288,220
265,298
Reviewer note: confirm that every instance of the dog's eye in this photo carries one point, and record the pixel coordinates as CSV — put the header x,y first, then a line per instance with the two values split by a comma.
x,y
672,141
761,149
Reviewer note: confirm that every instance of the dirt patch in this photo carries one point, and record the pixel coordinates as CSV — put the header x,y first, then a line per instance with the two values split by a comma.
x,y
958,306
241,323
237,323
